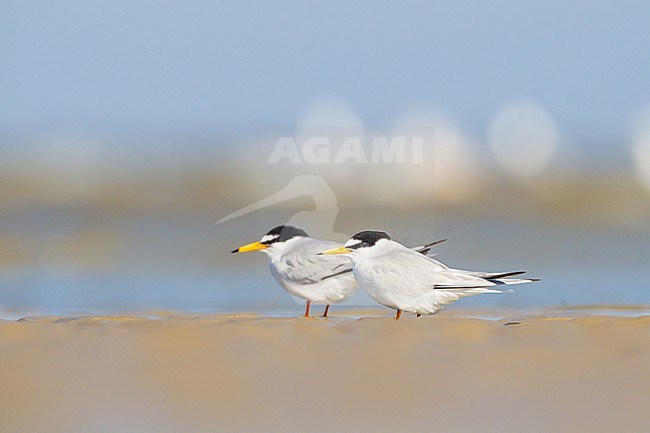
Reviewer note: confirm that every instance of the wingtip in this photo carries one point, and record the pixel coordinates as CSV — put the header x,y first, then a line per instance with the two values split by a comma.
x,y
425,249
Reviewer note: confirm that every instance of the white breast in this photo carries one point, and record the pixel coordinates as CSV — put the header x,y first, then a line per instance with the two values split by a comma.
x,y
299,269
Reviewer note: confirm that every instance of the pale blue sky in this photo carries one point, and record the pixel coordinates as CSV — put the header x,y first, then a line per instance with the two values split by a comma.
x,y
201,67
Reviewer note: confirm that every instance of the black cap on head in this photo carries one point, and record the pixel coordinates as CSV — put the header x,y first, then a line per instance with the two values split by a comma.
x,y
283,233
366,238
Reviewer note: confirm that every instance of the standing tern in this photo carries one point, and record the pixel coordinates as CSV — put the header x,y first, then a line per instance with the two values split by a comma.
x,y
397,277
298,269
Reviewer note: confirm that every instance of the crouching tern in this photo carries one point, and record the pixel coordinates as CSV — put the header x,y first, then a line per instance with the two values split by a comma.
x,y
300,270
399,278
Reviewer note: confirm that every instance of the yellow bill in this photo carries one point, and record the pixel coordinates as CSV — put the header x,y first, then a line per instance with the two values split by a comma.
x,y
255,246
340,250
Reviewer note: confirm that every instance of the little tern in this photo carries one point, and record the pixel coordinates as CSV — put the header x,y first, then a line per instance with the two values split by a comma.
x,y
402,279
298,269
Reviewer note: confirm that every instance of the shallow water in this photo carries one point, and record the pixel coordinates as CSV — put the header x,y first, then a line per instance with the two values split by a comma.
x,y
32,292
77,262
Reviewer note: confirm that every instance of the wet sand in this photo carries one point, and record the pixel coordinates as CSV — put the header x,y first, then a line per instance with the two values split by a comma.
x,y
551,372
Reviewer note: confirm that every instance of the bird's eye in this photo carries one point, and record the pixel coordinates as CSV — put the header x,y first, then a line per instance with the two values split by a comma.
x,y
354,244
269,239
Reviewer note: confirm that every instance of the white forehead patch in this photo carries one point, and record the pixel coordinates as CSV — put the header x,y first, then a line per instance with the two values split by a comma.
x,y
268,238
352,242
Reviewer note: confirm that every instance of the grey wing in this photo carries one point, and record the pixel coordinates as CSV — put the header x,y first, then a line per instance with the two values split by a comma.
x,y
403,271
410,273
304,265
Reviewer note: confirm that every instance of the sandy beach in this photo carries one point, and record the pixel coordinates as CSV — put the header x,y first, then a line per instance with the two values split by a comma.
x,y
534,373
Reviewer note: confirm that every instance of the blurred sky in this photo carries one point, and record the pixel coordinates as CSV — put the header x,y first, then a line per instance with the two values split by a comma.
x,y
218,68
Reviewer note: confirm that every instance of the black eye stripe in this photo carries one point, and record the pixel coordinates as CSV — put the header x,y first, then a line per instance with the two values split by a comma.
x,y
358,245
283,233
368,238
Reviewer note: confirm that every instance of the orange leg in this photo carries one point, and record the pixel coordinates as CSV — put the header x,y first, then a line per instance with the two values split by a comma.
x,y
327,309
398,315
307,308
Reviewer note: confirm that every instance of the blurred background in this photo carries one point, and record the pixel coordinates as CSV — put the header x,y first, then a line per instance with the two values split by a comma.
x,y
127,129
